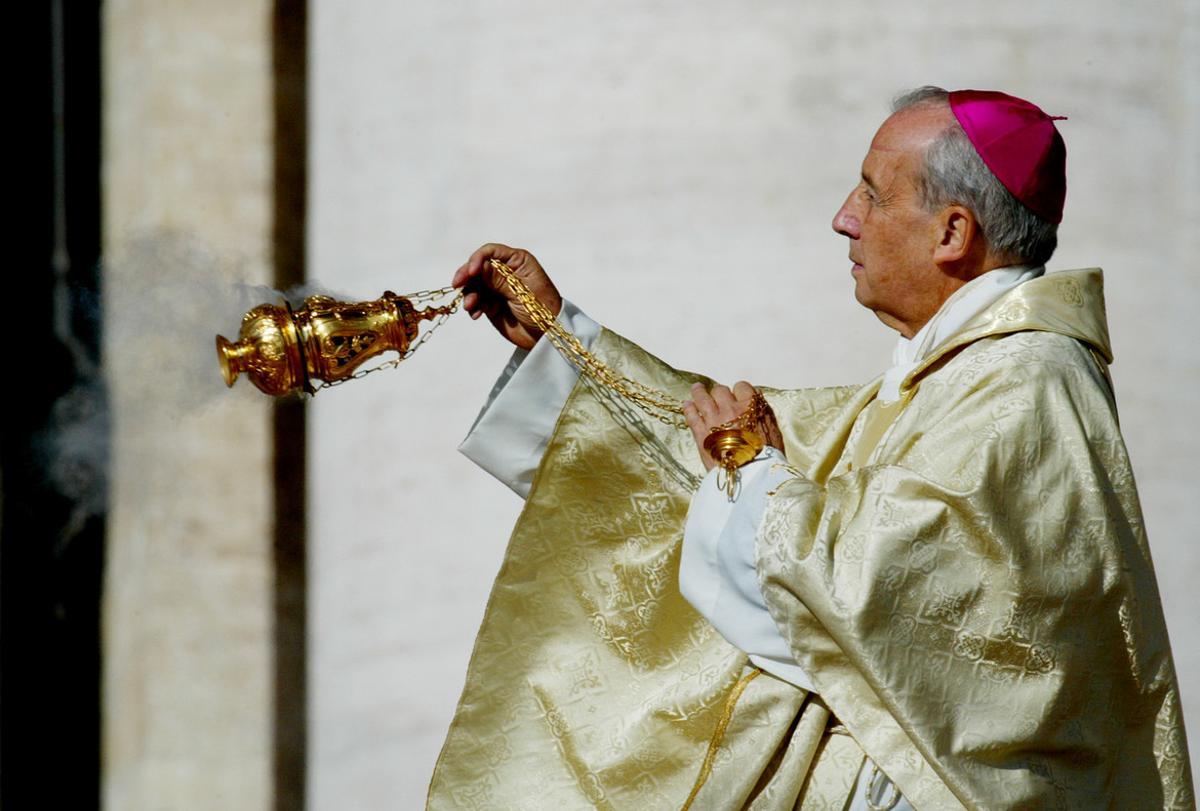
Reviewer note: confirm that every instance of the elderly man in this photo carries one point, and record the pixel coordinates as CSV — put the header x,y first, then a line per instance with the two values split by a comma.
x,y
931,591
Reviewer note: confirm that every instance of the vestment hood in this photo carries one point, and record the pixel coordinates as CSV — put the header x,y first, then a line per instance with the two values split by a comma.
x,y
1068,302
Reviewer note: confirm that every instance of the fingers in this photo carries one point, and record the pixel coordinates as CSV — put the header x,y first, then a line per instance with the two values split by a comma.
x,y
709,408
699,428
493,250
716,406
727,407
700,400
705,406
479,302
487,293
476,275
694,420
743,392
474,267
720,404
460,276
475,280
474,304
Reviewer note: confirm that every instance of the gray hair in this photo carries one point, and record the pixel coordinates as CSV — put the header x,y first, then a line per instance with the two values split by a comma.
x,y
954,173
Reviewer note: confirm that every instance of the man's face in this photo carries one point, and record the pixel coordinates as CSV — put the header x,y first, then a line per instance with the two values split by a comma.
x,y
892,237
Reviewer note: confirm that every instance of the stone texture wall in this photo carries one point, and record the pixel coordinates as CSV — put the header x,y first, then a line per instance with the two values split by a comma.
x,y
187,617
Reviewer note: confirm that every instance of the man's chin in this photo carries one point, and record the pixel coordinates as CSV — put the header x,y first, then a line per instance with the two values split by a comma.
x,y
861,295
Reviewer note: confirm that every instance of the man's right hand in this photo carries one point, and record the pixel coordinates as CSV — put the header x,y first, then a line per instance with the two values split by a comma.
x,y
486,292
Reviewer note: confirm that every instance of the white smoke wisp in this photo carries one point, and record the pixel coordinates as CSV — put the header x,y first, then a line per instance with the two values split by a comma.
x,y
169,296
166,297
74,446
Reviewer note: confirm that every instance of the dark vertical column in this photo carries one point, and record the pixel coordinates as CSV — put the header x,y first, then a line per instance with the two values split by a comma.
x,y
54,436
290,55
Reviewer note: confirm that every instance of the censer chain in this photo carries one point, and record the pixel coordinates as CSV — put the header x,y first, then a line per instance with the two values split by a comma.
x,y
731,444
654,403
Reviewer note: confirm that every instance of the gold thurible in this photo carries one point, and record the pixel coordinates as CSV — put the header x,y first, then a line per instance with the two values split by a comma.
x,y
283,350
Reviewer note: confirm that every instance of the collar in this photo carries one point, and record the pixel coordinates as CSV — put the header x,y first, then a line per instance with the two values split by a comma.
x,y
965,303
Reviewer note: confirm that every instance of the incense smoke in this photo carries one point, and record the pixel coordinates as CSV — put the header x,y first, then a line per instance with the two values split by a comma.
x,y
167,295
163,324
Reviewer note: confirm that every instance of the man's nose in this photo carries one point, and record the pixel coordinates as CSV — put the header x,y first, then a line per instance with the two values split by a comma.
x,y
846,222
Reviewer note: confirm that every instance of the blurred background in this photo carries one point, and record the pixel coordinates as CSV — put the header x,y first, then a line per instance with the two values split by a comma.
x,y
212,600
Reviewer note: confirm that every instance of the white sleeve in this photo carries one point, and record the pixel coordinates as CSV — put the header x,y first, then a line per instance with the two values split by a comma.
x,y
511,432
717,568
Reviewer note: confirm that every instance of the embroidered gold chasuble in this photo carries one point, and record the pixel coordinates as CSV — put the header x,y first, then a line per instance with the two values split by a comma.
x,y
970,591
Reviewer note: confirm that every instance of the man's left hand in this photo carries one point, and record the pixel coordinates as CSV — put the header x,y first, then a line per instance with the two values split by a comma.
x,y
708,409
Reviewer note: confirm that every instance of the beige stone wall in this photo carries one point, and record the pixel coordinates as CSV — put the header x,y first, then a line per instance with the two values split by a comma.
x,y
676,166
187,624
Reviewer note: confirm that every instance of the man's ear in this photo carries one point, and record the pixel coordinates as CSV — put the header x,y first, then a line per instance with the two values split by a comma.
x,y
957,235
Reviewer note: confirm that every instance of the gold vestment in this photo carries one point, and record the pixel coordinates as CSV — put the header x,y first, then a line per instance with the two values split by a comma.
x,y
970,591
